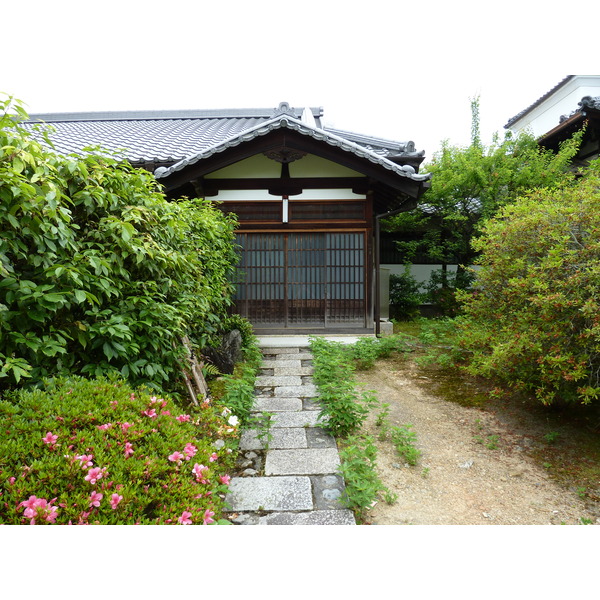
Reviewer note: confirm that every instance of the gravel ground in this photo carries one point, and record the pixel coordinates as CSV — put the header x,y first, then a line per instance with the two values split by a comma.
x,y
458,479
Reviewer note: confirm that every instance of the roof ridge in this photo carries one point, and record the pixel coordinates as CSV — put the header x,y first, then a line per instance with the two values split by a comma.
x,y
285,120
152,115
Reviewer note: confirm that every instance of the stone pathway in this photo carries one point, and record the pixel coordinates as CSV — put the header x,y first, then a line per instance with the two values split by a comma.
x,y
300,484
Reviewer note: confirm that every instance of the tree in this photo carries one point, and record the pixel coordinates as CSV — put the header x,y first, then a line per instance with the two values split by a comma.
x,y
471,184
98,271
533,319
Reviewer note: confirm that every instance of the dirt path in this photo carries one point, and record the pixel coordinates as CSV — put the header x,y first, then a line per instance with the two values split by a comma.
x,y
459,480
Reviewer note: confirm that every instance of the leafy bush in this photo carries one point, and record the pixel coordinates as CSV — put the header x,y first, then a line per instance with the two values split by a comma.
x,y
442,287
404,438
99,272
405,295
533,320
99,451
358,468
344,408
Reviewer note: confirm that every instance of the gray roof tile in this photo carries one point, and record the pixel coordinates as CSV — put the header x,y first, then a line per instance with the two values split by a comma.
x,y
285,121
164,138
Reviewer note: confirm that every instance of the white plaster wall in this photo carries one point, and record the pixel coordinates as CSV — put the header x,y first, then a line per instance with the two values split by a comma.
x,y
564,101
261,166
333,194
420,272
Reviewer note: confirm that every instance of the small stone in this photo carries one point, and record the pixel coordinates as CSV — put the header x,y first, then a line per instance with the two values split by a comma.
x,y
251,455
250,472
219,444
486,515
331,494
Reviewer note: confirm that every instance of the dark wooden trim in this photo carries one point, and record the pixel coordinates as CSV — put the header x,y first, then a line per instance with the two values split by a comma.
x,y
213,186
292,140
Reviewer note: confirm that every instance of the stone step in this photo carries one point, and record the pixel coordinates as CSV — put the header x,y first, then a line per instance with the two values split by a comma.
x,y
315,517
289,437
269,493
302,461
272,404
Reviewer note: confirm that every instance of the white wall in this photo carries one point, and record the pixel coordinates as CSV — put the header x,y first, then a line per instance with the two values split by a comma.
x,y
564,101
420,272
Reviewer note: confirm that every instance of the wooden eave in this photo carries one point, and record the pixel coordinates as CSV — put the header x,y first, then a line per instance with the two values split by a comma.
x,y
394,184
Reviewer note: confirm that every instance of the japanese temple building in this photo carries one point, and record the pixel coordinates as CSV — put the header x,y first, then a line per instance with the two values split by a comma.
x,y
308,199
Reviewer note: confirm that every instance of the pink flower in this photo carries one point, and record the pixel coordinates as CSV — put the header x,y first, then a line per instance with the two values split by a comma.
x,y
200,471
114,403
176,457
50,439
86,460
184,519
95,499
114,500
183,418
190,450
12,480
225,479
125,426
105,426
213,457
150,413
208,514
128,449
95,474
166,413
39,508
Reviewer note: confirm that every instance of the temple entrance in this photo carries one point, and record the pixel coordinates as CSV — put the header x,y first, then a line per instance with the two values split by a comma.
x,y
302,280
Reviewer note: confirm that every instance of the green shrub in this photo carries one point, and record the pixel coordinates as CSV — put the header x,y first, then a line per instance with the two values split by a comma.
x,y
442,287
99,272
358,468
405,295
403,439
75,440
532,321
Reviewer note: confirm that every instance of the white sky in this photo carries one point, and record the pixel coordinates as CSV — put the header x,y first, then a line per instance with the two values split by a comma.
x,y
404,71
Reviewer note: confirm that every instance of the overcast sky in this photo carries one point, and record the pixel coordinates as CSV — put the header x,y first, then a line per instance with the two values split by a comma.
x,y
400,70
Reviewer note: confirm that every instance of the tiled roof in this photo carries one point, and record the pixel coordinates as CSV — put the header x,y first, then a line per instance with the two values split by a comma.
x,y
286,121
163,138
539,101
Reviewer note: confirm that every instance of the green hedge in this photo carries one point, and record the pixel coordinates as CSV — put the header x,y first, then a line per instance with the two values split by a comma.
x,y
99,273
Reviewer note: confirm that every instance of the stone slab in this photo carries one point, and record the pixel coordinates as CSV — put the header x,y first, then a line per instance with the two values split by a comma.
x,y
299,391
291,371
283,381
289,437
273,404
317,437
280,350
328,491
281,362
307,418
269,493
310,404
309,461
317,517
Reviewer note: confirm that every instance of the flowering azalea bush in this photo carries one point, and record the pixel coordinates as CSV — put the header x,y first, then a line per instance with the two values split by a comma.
x,y
533,320
101,452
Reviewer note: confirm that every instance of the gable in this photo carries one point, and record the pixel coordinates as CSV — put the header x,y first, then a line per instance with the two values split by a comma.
x,y
260,166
